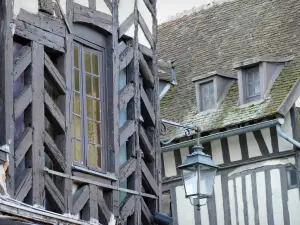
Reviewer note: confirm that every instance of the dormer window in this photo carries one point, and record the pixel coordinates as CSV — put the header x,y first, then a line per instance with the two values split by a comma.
x,y
211,89
256,77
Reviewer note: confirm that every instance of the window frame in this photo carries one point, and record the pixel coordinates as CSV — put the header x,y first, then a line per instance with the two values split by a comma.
x,y
246,73
203,98
198,93
289,185
102,64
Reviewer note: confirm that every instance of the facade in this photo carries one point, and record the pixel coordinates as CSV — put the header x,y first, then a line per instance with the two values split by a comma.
x,y
237,71
79,112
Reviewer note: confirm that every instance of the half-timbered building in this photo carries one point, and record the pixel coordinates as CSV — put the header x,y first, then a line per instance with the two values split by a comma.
x,y
79,112
237,70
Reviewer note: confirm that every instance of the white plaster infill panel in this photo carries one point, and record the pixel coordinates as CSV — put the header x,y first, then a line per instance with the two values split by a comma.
x,y
267,137
232,202
31,6
253,148
169,163
262,198
126,8
239,199
276,197
142,38
183,153
102,7
82,2
185,211
234,148
63,5
283,144
130,31
249,196
294,206
219,201
146,14
216,151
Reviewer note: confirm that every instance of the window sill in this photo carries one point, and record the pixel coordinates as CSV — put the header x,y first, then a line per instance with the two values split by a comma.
x,y
255,102
109,176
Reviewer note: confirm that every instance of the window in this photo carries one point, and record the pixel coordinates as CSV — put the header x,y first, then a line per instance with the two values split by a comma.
x,y
166,204
252,83
292,177
207,92
86,123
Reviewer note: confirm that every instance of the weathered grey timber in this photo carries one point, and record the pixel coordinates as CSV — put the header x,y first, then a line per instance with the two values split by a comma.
x,y
125,57
145,29
80,198
145,70
23,101
23,145
244,146
147,146
127,130
55,194
147,107
126,25
149,177
23,184
225,150
269,197
126,94
174,205
284,191
127,169
261,143
21,61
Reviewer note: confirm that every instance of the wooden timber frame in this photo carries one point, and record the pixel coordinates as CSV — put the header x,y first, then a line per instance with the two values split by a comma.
x,y
44,194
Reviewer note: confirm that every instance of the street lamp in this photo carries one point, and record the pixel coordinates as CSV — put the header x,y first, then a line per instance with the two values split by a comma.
x,y
198,175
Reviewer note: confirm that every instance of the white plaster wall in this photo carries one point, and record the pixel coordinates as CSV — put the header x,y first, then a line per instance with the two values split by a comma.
x,y
63,4
142,38
239,198
294,206
219,200
169,163
31,6
232,202
216,151
82,2
204,215
261,196
102,7
185,211
130,31
253,147
297,103
249,197
126,7
234,148
143,10
276,197
287,129
183,153
267,137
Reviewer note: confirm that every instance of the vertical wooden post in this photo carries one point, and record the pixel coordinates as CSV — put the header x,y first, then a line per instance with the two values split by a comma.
x,y
6,88
38,121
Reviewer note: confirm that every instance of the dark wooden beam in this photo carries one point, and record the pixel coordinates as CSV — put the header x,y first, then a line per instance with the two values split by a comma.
x,y
55,194
127,169
146,51
103,206
54,112
126,25
150,179
23,146
146,30
146,212
128,208
46,6
55,75
84,14
147,108
80,198
23,101
126,94
125,58
93,203
53,152
149,6
38,124
145,70
127,130
39,35
121,47
22,61
23,184
147,146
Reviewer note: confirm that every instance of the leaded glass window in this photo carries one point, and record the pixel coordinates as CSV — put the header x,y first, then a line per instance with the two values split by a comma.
x,y
207,95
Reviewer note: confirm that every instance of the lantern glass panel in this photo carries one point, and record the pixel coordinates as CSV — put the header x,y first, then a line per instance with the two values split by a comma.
x,y
189,176
207,179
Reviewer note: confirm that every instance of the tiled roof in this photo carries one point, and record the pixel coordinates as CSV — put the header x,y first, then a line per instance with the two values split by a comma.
x,y
214,39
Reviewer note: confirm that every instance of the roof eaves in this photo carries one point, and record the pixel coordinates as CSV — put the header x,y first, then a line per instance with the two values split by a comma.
x,y
256,60
215,73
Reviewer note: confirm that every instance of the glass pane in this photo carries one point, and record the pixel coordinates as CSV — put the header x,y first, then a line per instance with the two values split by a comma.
x,y
76,80
207,179
88,83
211,89
77,103
257,88
256,74
190,182
87,61
78,127
92,156
96,87
78,151
95,64
97,133
123,78
91,133
250,90
76,60
99,157
249,78
89,107
96,110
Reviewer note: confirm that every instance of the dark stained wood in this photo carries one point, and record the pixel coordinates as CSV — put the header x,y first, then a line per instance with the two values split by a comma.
x,y
146,212
126,131
55,75
38,121
147,147
125,58
80,197
56,195
23,101
127,169
152,182
83,14
22,61
23,184
6,88
54,112
147,108
126,94
128,208
103,206
23,146
93,203
126,25
53,152
146,30
145,70
39,35
91,177
146,51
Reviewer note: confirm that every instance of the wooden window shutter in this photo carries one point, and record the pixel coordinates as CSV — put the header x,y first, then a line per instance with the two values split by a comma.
x,y
46,6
